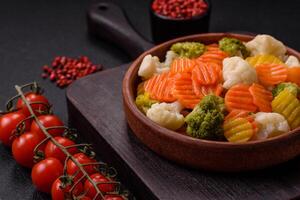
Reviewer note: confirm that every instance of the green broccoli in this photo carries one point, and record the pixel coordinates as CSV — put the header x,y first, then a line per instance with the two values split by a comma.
x,y
233,47
291,87
206,120
144,102
188,49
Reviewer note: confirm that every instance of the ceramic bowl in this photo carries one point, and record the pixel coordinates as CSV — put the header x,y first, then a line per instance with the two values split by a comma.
x,y
199,153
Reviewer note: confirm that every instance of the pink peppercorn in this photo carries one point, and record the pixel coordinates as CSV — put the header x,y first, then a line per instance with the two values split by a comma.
x,y
180,9
65,70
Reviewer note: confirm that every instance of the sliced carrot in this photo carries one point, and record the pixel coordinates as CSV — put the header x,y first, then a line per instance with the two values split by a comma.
x,y
213,54
181,65
271,74
262,98
204,90
206,73
239,113
294,75
160,87
239,97
183,90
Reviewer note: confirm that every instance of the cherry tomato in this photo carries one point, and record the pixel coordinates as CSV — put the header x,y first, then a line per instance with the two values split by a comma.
x,y
99,178
23,146
47,121
37,108
83,159
113,197
58,193
45,172
8,123
52,150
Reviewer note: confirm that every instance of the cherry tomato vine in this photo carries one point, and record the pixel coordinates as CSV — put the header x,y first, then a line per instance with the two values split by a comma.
x,y
101,182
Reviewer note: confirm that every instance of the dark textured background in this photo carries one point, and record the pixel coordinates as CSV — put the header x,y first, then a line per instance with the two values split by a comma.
x,y
33,32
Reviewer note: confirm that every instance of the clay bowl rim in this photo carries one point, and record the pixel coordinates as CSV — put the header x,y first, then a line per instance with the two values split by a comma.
x,y
128,100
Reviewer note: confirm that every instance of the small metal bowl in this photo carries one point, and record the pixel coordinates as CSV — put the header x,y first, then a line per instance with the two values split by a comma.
x,y
165,28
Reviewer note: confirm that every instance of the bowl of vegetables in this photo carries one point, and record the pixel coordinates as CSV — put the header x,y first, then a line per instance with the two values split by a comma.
x,y
218,101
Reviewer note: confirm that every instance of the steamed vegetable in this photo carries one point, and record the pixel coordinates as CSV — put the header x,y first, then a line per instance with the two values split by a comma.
x,y
233,47
270,125
144,102
291,87
188,49
206,120
167,115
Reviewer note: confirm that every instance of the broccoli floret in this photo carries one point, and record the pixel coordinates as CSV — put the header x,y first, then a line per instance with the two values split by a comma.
x,y
291,87
233,47
206,120
144,102
188,49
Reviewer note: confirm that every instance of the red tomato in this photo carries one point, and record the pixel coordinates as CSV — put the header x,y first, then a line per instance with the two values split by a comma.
x,y
52,150
83,159
99,178
113,197
37,108
47,121
45,172
8,123
58,193
23,146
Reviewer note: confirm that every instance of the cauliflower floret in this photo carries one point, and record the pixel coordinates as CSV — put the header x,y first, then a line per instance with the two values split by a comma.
x,y
266,44
236,70
170,56
150,66
270,125
292,61
167,115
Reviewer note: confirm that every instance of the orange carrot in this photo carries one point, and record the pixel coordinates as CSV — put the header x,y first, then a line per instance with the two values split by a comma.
x,y
271,74
261,97
294,75
183,90
239,113
206,73
213,54
203,90
160,87
239,97
181,65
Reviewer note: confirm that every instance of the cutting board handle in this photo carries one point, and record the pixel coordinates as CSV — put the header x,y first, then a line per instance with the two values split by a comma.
x,y
108,21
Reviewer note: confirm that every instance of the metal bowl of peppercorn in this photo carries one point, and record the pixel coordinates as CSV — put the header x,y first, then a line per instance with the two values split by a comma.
x,y
174,18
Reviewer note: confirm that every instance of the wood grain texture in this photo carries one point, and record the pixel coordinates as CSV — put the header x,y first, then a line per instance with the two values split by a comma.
x,y
95,109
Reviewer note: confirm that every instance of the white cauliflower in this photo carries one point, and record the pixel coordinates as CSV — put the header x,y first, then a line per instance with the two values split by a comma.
x,y
270,125
151,65
266,44
292,61
170,56
167,115
236,70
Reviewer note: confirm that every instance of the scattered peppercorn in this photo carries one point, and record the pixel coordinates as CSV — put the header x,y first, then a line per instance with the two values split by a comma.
x,y
180,9
64,70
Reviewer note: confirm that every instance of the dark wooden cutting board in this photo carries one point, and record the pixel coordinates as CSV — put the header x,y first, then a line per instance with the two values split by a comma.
x,y
95,109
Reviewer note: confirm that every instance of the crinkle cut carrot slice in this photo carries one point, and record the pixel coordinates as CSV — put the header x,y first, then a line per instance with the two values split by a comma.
x,y
235,113
239,97
213,54
271,74
294,75
160,87
206,73
204,90
183,90
262,98
181,65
